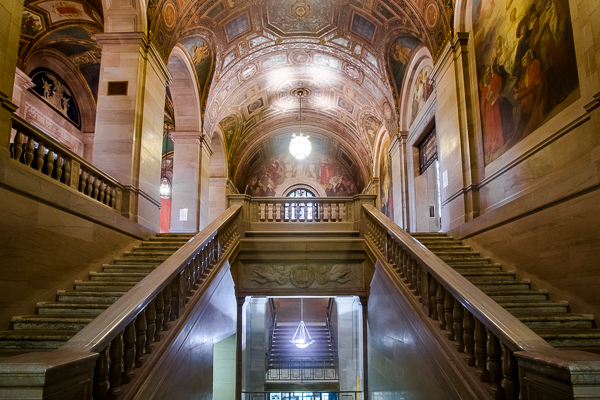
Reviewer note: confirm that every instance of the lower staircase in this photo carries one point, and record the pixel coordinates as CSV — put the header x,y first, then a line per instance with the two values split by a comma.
x,y
550,319
57,321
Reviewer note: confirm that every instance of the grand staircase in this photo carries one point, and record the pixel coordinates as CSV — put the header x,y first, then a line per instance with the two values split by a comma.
x,y
57,321
550,319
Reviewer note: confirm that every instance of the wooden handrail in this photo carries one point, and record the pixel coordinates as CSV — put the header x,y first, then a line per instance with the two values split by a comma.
x,y
103,329
503,324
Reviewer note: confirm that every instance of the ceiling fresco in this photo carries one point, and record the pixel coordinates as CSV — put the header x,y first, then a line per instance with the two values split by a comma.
x,y
336,49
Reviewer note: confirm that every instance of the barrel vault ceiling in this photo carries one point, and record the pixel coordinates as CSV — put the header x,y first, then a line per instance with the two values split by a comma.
x,y
262,51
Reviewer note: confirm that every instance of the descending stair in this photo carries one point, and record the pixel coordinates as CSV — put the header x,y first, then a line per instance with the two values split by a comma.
x,y
57,321
550,319
282,351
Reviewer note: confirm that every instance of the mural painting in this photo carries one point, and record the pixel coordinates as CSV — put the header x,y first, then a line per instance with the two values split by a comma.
x,y
200,54
31,23
386,193
229,126
400,54
527,71
371,126
421,91
317,169
55,92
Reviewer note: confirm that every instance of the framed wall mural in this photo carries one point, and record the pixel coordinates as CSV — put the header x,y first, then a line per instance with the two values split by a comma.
x,y
386,192
401,52
201,56
526,67
283,170
421,91
55,92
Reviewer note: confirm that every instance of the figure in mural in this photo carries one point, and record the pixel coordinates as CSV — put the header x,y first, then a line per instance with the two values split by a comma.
x,y
55,92
333,178
532,61
385,183
400,54
421,92
30,23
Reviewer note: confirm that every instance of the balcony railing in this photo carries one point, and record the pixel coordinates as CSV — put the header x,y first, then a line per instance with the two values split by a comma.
x,y
302,209
315,369
41,152
337,395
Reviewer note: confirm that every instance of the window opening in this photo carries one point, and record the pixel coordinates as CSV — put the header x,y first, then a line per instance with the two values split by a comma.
x,y
300,211
428,151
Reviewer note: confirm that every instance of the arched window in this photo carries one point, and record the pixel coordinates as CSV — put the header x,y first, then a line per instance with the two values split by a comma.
x,y
300,211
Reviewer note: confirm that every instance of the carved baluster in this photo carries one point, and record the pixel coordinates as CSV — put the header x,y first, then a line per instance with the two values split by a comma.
x,y
481,351
448,308
262,212
129,352
468,328
342,212
102,192
278,212
151,326
440,295
89,189
417,279
510,370
187,281
29,148
458,314
113,199
159,305
270,211
39,157
67,175
140,339
101,369
116,364
49,165
432,294
333,212
325,211
107,195
404,260
495,365
409,271
18,146
82,181
167,297
176,300
58,171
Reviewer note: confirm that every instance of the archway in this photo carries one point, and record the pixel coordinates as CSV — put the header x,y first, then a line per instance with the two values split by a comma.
x,y
218,179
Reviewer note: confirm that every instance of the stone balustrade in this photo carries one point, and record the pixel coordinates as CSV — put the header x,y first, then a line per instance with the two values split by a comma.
x,y
302,209
510,357
39,151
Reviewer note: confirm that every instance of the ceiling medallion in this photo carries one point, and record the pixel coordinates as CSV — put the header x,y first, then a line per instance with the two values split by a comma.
x,y
300,9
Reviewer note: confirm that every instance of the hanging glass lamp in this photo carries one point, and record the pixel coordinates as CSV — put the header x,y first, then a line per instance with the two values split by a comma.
x,y
300,146
302,338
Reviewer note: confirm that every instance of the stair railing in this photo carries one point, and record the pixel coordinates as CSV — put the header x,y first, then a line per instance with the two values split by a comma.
x,y
124,333
37,150
483,330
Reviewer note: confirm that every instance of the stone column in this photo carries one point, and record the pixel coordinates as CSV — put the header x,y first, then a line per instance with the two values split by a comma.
x,y
218,198
349,328
129,121
399,178
191,172
11,14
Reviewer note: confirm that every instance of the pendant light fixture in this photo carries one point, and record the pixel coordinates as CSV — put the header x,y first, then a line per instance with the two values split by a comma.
x,y
302,338
300,146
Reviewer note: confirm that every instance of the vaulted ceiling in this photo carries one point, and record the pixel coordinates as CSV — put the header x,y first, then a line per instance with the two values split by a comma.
x,y
251,56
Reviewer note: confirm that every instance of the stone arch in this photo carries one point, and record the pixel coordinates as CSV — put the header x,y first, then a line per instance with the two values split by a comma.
x,y
218,178
184,91
463,15
57,62
421,59
125,16
301,183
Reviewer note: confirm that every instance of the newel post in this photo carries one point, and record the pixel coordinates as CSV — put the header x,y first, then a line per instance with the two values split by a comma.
x,y
359,216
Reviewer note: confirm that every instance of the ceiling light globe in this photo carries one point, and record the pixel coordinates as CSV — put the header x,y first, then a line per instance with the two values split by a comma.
x,y
300,146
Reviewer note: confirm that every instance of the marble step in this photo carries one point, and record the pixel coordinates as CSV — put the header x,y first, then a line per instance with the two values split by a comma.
x,y
73,296
455,253
563,338
470,264
104,286
511,295
174,235
524,284
148,253
35,339
434,246
528,306
483,274
142,268
157,246
72,322
479,270
56,307
161,243
463,261
139,260
117,276
428,234
556,320
168,239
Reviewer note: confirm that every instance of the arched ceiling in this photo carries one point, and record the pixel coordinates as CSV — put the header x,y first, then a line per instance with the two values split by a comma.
x,y
265,49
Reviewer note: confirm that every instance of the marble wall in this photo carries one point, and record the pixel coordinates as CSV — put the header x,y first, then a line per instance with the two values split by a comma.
x,y
404,362
185,371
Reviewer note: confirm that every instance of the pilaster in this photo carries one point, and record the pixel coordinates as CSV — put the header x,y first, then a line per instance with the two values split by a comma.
x,y
129,122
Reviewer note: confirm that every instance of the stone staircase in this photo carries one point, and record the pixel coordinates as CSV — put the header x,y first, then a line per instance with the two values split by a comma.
x,y
284,351
550,319
57,321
